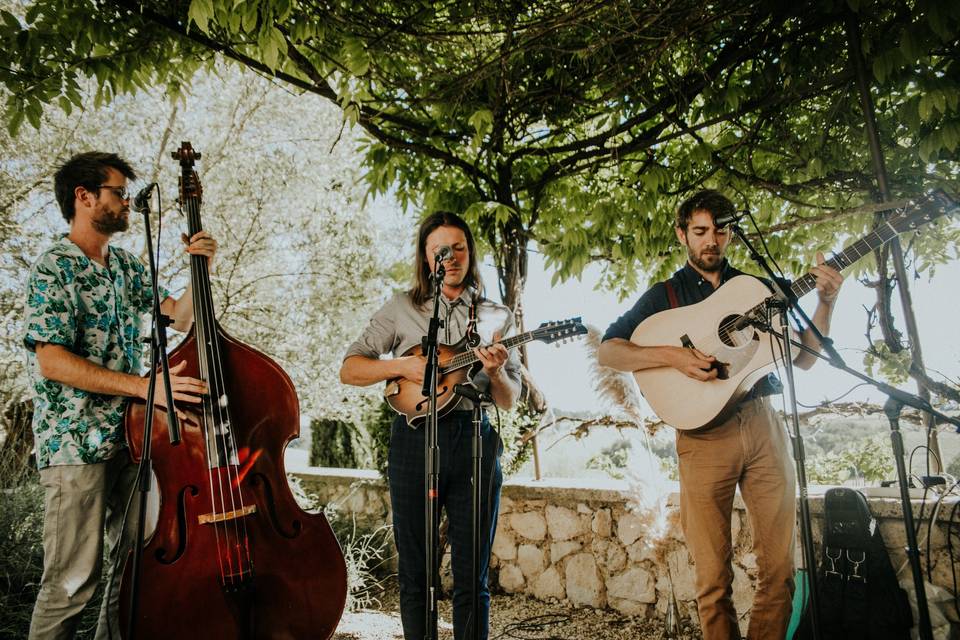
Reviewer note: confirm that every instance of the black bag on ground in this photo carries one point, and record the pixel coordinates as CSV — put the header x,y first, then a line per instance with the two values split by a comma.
x,y
859,596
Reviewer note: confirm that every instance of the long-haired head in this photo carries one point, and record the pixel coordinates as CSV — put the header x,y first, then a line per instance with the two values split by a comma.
x,y
422,288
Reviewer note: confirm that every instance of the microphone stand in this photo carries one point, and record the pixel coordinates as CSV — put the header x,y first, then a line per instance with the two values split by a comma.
x,y
896,398
478,398
158,353
781,302
432,457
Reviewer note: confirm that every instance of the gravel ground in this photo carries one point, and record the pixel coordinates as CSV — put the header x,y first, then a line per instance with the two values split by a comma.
x,y
560,623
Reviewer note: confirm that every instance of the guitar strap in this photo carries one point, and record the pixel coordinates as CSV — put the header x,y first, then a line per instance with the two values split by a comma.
x,y
671,294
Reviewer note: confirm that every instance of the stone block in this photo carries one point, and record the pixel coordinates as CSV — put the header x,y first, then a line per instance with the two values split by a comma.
x,y
584,585
684,578
511,578
584,509
562,523
629,607
504,545
610,555
602,524
506,505
548,585
635,584
558,550
629,528
530,525
530,560
742,596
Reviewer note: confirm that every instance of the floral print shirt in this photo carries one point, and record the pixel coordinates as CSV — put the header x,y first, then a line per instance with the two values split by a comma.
x,y
96,312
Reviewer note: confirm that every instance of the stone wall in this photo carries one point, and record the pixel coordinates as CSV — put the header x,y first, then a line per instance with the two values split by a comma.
x,y
581,543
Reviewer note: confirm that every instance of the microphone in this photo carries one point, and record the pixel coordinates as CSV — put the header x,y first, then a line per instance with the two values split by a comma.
x,y
721,221
444,252
471,392
141,203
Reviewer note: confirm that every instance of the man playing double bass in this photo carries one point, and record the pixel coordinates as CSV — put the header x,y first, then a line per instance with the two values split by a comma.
x,y
751,449
395,328
84,319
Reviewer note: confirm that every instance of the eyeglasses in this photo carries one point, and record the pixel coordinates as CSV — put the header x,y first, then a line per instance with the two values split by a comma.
x,y
120,192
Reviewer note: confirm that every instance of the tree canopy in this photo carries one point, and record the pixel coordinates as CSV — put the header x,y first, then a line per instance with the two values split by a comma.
x,y
575,127
293,274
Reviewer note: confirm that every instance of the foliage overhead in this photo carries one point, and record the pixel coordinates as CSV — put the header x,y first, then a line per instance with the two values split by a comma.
x,y
278,279
576,125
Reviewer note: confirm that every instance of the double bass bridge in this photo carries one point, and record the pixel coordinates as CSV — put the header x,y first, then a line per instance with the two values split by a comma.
x,y
213,518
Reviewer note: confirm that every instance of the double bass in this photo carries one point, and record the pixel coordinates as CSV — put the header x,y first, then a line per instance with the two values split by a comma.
x,y
232,554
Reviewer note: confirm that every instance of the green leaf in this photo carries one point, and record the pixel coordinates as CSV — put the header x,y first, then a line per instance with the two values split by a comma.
x,y
200,12
15,119
481,120
272,46
355,57
10,20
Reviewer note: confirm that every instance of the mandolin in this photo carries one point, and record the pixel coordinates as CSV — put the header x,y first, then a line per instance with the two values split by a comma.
x,y
457,364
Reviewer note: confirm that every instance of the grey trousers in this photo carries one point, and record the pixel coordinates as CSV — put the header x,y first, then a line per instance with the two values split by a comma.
x,y
83,508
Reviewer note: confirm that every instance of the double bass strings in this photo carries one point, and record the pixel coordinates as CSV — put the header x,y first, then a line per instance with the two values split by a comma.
x,y
218,438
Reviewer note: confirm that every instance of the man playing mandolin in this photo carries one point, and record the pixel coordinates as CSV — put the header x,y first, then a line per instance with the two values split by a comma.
x,y
750,449
84,322
396,328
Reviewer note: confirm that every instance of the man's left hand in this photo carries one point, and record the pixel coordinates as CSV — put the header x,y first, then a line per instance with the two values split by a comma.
x,y
201,244
492,356
829,280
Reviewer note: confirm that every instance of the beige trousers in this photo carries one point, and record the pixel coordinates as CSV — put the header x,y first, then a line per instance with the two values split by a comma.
x,y
752,450
83,504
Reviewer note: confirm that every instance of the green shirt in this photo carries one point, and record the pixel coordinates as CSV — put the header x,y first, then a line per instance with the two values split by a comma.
x,y
97,313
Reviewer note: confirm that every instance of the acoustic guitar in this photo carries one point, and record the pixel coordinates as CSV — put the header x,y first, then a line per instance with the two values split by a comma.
x,y
743,354
458,363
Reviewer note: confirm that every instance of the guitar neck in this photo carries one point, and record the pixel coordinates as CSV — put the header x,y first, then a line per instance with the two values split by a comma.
x,y
876,238
467,358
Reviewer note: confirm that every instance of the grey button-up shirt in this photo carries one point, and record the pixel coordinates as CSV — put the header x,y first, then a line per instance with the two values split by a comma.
x,y
400,325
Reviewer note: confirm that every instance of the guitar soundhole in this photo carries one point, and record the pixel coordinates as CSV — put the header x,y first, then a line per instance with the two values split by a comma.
x,y
735,338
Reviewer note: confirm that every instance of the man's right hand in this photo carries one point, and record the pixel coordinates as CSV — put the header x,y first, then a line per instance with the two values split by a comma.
x,y
411,367
694,364
185,388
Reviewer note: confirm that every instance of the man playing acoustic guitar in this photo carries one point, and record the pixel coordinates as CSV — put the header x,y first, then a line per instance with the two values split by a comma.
x,y
750,449
397,327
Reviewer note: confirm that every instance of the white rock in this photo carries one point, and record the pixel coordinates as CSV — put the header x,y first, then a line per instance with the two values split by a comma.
x,y
629,528
531,560
684,578
562,523
559,550
548,585
602,524
582,508
629,607
504,545
530,525
584,586
634,584
511,578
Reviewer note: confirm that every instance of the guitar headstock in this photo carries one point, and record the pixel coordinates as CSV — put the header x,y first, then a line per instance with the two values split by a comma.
x,y
924,210
559,331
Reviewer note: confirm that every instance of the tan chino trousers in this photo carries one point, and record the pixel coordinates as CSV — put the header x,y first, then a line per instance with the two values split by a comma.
x,y
752,450
83,504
